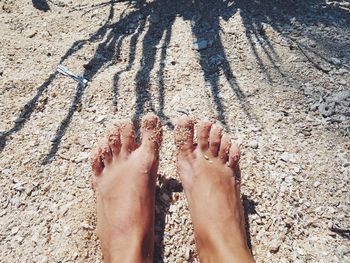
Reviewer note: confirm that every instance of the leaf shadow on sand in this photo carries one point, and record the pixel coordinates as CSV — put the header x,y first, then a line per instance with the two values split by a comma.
x,y
154,21
162,14
205,20
167,188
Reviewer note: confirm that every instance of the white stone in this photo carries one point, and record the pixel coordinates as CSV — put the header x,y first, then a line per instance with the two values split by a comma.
x,y
316,184
253,144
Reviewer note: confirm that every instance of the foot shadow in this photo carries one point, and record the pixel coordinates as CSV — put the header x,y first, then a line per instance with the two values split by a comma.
x,y
344,233
249,209
163,202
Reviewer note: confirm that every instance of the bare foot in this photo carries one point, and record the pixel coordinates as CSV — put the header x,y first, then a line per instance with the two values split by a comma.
x,y
210,176
125,182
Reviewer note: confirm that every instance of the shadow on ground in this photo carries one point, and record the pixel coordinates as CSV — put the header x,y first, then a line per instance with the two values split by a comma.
x,y
154,20
163,202
41,5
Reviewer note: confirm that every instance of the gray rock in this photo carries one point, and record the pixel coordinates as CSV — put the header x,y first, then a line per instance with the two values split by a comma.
x,y
325,67
335,61
275,245
327,109
42,259
14,230
100,119
342,82
19,187
343,95
300,251
256,129
66,230
188,254
312,43
319,210
339,96
342,71
86,226
287,157
317,184
82,157
253,144
200,45
31,33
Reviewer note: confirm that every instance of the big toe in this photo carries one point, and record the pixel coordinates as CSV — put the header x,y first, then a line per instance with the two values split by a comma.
x,y
151,131
183,135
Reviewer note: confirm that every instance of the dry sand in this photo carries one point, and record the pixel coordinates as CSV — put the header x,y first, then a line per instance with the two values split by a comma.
x,y
273,73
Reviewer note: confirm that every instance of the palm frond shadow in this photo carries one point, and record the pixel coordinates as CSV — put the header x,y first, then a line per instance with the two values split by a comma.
x,y
111,36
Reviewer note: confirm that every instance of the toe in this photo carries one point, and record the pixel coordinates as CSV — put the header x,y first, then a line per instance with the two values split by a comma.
x,y
236,180
215,139
234,155
97,163
203,135
184,135
105,153
225,148
114,141
151,131
127,133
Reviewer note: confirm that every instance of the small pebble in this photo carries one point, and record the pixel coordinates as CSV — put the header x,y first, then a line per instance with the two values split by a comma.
x,y
342,82
42,259
275,245
316,184
253,144
285,157
200,45
188,254
86,226
66,230
335,61
14,230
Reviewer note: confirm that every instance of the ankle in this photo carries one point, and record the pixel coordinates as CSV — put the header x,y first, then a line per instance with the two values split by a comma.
x,y
226,253
228,247
129,249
